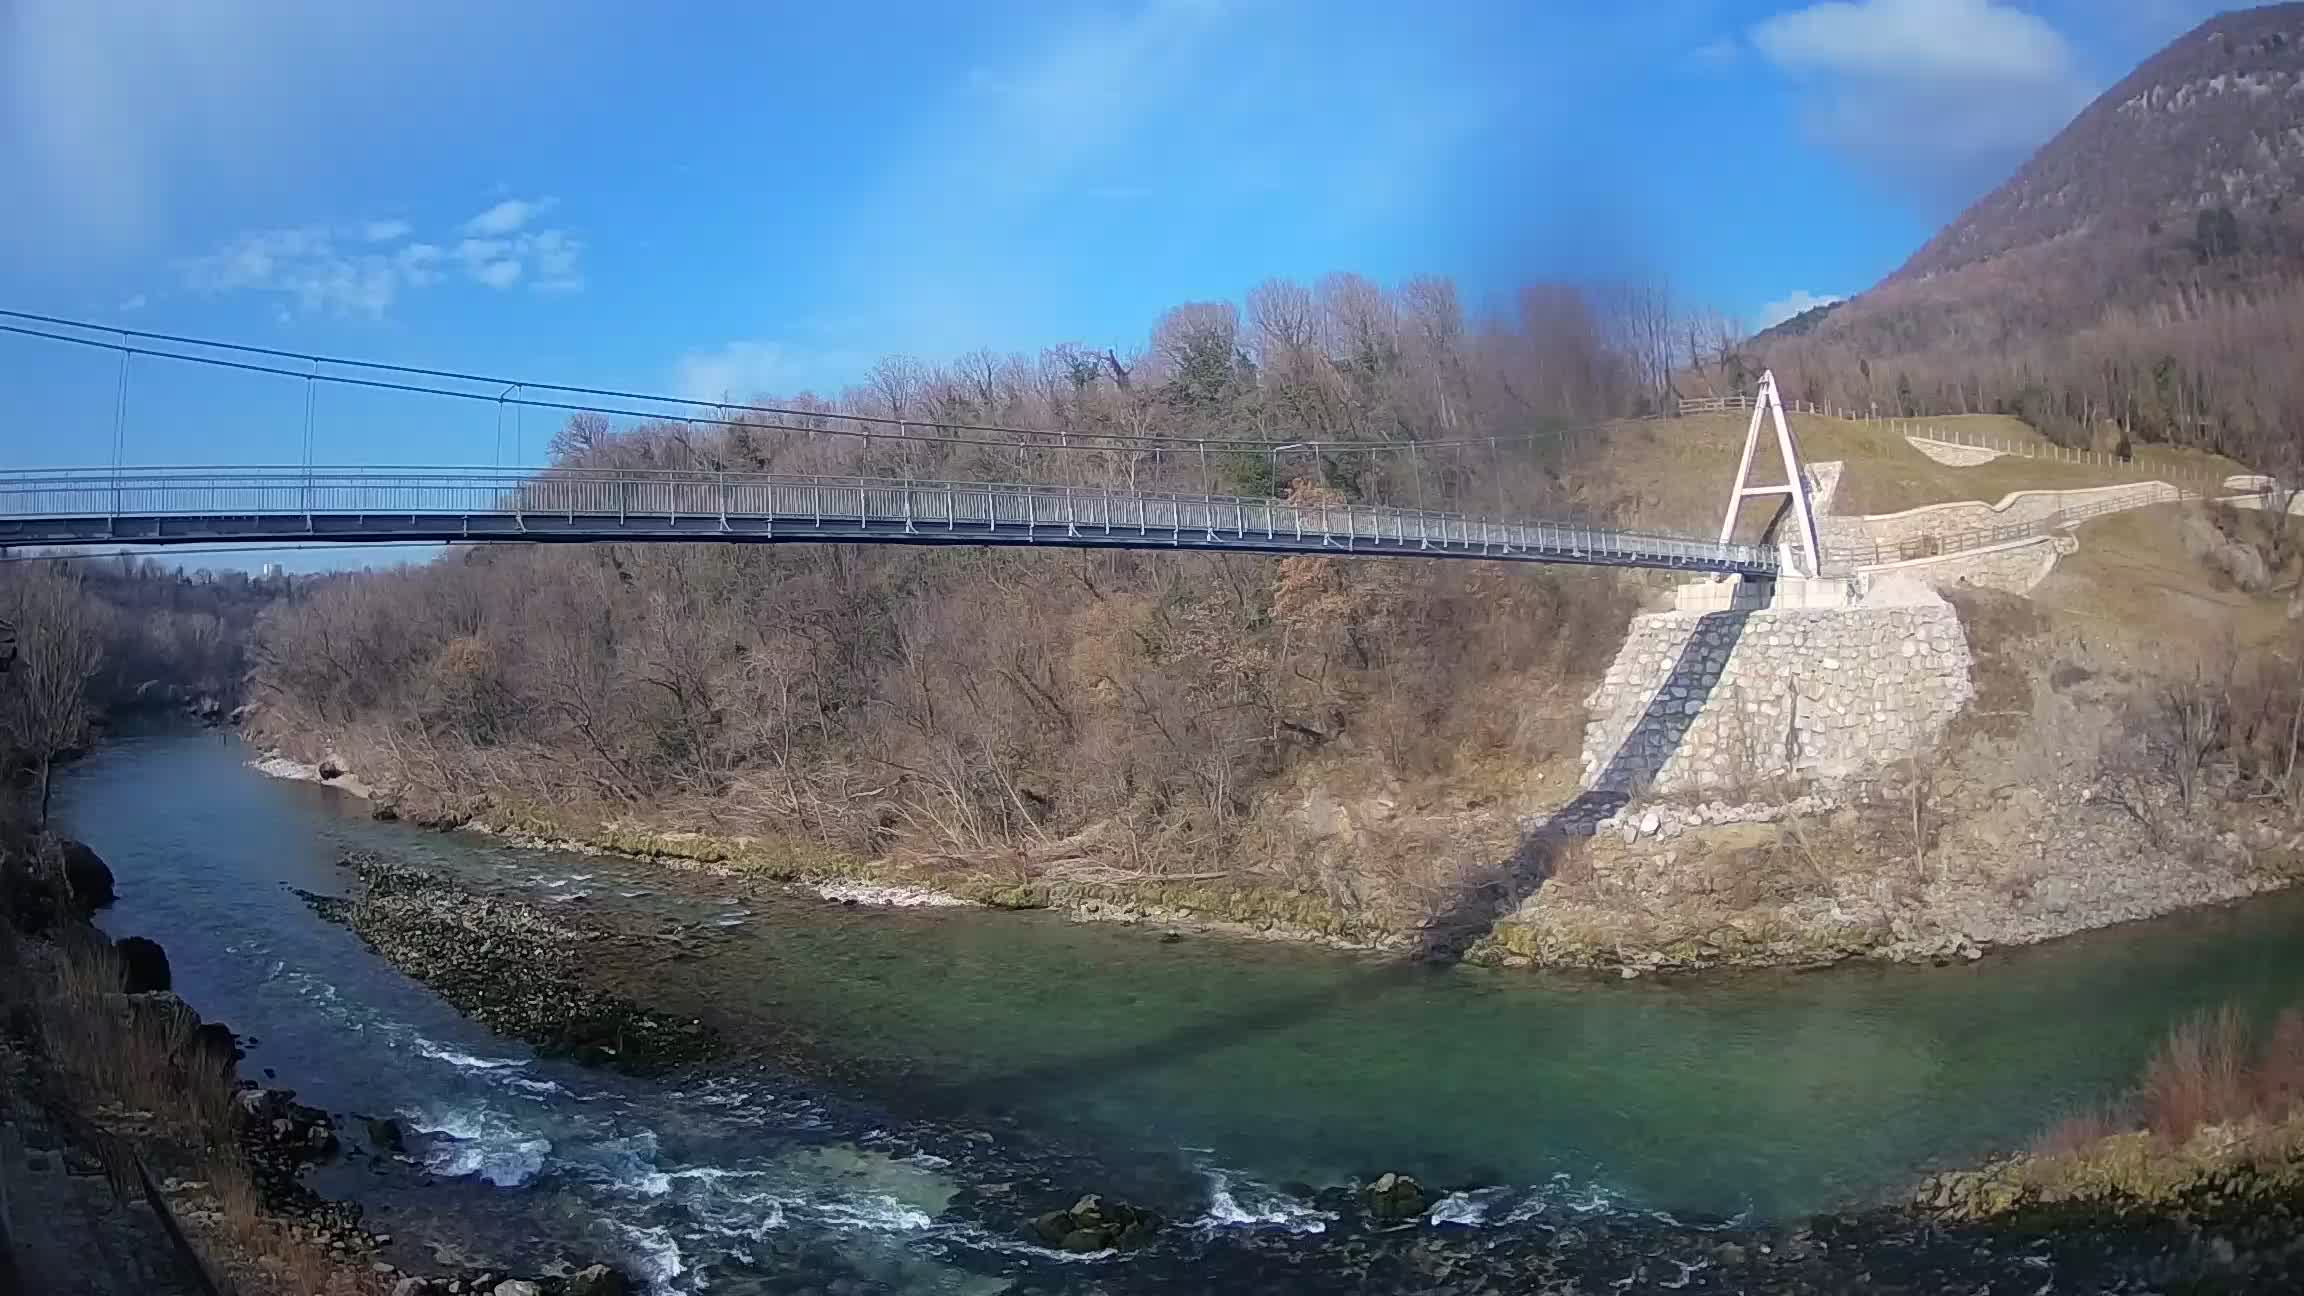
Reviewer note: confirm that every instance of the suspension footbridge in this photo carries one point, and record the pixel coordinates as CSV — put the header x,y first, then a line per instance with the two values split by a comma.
x,y
126,504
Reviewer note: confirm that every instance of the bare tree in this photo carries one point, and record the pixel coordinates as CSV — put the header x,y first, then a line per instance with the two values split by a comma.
x,y
60,646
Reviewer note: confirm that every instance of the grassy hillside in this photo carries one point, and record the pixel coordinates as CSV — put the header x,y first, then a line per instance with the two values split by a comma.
x,y
2134,583
1676,472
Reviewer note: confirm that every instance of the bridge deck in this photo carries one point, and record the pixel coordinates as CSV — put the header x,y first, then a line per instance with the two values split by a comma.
x,y
179,505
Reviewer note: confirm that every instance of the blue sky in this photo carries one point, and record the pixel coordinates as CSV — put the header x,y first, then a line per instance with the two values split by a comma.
x,y
750,198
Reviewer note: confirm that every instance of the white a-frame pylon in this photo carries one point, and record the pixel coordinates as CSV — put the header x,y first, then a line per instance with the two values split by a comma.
x,y
1764,405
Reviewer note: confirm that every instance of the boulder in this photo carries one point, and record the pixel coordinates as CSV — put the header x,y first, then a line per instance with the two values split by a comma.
x,y
384,1135
411,1287
87,878
517,1287
214,1041
330,768
595,1280
1094,1224
2239,561
1394,1198
143,965
1052,1228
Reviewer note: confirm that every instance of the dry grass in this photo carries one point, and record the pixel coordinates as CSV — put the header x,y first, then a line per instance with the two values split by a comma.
x,y
2076,1134
2211,1070
263,1256
134,1070
2132,581
2215,1098
2200,1076
134,1061
1675,470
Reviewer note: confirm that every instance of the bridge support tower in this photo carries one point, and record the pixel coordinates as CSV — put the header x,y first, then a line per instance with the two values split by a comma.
x,y
1767,406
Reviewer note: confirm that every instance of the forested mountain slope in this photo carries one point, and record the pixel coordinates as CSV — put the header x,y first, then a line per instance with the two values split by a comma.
x,y
2138,277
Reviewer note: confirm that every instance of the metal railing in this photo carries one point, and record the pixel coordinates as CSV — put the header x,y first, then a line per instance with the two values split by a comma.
x,y
95,506
1722,404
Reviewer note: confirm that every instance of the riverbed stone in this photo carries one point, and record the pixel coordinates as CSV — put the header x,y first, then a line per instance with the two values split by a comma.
x,y
1095,1224
512,966
1395,1197
384,1135
1053,1227
517,1287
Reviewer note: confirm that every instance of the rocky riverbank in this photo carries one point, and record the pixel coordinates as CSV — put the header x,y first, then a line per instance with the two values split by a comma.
x,y
1471,1242
1921,866
519,971
106,1072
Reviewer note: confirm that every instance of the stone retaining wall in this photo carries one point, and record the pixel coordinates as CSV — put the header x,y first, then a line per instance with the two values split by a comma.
x,y
2014,568
1717,702
2021,507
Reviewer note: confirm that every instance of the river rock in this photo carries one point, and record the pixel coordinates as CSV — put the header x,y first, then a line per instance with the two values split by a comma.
x,y
411,1287
517,1287
1052,1228
143,965
594,1280
87,878
1095,1224
384,1135
1395,1197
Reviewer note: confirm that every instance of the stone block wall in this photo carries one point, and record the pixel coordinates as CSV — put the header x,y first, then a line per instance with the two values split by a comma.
x,y
2013,568
2022,507
1715,702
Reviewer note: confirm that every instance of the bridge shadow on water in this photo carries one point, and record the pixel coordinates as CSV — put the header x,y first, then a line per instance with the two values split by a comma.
x,y
1484,897
1496,891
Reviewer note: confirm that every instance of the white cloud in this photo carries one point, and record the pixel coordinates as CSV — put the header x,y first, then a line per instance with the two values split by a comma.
x,y
1940,98
475,253
736,371
498,274
365,268
739,371
507,216
1930,38
1794,303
